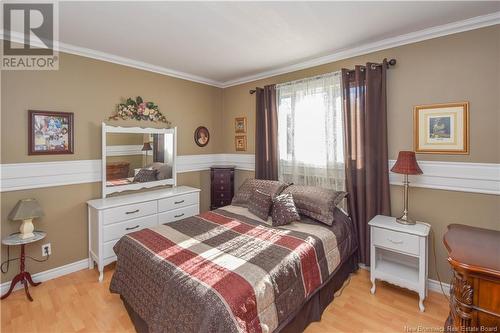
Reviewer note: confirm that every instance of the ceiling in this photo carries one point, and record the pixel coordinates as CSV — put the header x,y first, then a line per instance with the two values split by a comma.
x,y
224,42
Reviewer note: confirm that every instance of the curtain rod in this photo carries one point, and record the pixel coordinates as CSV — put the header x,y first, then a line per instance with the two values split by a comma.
x,y
389,63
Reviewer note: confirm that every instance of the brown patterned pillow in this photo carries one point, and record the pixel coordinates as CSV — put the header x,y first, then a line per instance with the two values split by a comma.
x,y
260,204
316,202
284,210
145,175
271,187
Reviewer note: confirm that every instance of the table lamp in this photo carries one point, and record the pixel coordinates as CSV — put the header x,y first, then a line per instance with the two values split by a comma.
x,y
26,210
146,147
407,165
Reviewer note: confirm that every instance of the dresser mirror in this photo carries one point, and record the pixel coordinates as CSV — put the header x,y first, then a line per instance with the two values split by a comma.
x,y
134,158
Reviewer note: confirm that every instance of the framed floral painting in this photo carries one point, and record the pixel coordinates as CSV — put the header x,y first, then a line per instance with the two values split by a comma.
x,y
50,132
240,125
442,128
240,142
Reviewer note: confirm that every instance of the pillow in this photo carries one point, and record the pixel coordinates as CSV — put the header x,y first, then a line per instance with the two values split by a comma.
x,y
284,211
145,175
164,171
260,204
271,187
316,202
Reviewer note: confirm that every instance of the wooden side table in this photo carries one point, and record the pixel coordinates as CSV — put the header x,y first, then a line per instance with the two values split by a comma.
x,y
23,276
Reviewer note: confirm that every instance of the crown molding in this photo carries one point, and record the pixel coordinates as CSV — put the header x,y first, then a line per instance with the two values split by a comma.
x,y
413,37
108,57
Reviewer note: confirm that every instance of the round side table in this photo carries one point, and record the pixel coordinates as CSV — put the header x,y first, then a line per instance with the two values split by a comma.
x,y
23,276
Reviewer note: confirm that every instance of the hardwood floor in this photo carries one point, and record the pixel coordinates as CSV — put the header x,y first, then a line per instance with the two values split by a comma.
x,y
78,303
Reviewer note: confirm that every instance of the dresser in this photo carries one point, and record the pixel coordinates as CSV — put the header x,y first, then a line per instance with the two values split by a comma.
x,y
399,254
222,185
474,256
117,170
111,218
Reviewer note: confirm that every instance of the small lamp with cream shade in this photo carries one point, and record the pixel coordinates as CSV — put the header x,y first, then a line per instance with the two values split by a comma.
x,y
407,165
26,210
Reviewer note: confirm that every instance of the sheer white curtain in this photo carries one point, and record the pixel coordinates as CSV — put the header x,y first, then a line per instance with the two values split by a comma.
x,y
310,132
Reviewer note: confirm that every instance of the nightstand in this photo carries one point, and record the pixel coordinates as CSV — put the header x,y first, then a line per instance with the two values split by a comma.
x,y
399,254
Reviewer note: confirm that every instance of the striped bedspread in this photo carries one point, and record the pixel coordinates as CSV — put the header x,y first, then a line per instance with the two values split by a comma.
x,y
226,271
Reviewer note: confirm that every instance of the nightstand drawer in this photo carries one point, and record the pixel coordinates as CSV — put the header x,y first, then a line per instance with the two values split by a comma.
x,y
398,241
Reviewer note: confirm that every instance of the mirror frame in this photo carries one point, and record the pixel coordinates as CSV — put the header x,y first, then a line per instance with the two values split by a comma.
x,y
136,186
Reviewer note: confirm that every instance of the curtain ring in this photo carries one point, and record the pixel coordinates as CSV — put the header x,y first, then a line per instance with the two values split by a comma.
x,y
373,66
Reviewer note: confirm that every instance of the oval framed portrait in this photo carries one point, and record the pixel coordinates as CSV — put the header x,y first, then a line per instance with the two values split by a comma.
x,y
201,136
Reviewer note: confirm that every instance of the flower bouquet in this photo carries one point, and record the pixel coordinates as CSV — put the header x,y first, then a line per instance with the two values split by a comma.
x,y
139,110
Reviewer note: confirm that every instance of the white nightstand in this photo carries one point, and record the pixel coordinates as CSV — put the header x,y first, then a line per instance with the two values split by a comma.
x,y
399,254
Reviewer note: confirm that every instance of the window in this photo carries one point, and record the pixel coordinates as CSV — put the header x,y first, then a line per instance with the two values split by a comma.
x,y
310,131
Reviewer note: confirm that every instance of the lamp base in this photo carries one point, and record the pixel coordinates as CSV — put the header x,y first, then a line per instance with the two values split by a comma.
x,y
405,219
26,229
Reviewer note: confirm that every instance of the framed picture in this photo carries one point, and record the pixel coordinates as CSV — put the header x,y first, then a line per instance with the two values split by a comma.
x,y
201,136
240,142
240,124
442,128
50,132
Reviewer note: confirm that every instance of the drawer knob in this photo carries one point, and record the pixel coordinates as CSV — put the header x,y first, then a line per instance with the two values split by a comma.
x,y
222,195
394,242
132,228
178,202
180,215
132,212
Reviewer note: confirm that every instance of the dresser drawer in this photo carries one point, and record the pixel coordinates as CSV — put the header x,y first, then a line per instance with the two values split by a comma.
x,y
178,201
226,195
222,187
221,202
117,230
123,213
107,249
397,241
178,214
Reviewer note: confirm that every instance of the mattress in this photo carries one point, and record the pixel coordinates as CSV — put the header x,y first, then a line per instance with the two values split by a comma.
x,y
227,270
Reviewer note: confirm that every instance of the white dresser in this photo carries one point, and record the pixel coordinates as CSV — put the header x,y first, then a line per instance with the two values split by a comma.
x,y
111,218
399,254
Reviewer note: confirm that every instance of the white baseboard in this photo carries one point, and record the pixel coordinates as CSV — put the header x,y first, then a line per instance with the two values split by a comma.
x,y
50,274
432,285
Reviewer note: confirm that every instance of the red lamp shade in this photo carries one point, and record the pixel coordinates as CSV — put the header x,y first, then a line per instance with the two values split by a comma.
x,y
407,164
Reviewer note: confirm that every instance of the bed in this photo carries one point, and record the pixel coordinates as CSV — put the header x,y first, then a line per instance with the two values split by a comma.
x,y
228,271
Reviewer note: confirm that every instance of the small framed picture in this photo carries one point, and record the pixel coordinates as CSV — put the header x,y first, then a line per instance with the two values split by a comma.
x,y
240,124
50,132
201,136
441,128
240,142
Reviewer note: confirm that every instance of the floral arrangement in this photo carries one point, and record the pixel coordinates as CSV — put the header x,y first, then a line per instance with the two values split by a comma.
x,y
139,110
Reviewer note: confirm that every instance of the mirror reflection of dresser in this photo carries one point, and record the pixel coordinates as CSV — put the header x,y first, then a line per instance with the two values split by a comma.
x,y
134,158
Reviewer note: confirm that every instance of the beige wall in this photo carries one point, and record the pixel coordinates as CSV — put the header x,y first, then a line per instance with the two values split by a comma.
x,y
91,89
454,68
461,67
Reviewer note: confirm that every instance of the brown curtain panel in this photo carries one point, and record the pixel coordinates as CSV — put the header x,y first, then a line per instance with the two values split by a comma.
x,y
266,134
367,176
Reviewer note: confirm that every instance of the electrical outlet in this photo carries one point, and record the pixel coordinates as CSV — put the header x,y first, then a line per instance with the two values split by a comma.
x,y
46,250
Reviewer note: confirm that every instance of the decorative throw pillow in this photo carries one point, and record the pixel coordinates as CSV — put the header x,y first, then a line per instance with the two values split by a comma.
x,y
164,171
316,202
284,210
260,204
271,187
145,175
